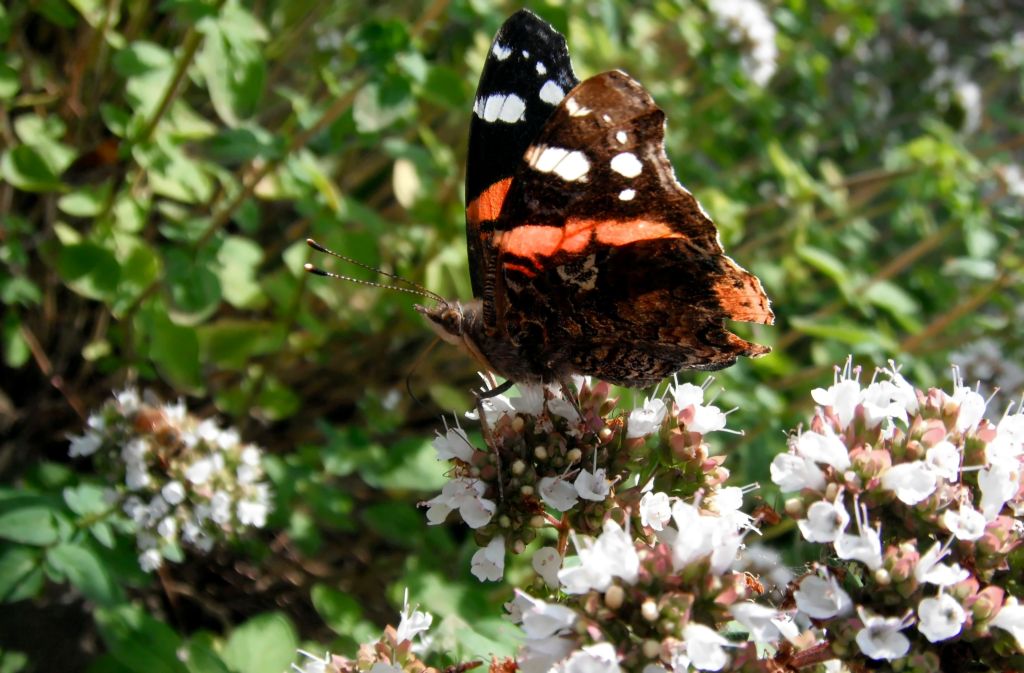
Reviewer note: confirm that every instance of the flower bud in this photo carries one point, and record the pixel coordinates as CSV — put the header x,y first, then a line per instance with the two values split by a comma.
x,y
614,597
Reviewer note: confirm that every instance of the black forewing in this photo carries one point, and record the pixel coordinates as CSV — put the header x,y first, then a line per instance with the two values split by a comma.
x,y
527,54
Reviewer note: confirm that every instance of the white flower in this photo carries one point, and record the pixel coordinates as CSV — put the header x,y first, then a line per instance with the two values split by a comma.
x,y
759,620
150,560
136,477
252,513
200,471
250,456
84,445
413,623
928,568
966,524
747,24
488,564
542,619
465,495
494,407
531,399
687,395
822,597
705,647
1008,444
972,408
944,460
453,444
655,510
557,493
135,450
940,618
220,507
597,658
795,473
313,663
998,482
173,492
912,482
546,562
1011,618
843,396
647,419
611,555
882,401
384,667
541,654
167,528
881,638
825,521
129,400
866,545
706,419
824,448
593,485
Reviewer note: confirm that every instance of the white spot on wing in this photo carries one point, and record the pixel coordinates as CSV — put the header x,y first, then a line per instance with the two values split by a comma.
x,y
627,194
607,119
574,108
541,68
507,108
525,54
551,92
627,165
500,51
566,164
621,137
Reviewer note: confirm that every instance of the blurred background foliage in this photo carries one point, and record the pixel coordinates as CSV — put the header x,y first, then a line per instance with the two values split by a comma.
x,y
162,164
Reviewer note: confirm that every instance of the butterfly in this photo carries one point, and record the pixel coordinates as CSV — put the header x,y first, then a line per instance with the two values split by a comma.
x,y
586,254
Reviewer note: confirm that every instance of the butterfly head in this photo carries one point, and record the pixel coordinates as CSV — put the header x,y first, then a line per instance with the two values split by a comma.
x,y
450,320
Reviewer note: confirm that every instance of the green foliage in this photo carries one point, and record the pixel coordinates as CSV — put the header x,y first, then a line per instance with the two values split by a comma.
x,y
162,163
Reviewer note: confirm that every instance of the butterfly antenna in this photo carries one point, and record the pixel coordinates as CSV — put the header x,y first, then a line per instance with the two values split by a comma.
x,y
413,288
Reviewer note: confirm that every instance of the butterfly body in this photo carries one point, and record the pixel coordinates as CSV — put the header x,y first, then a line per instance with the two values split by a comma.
x,y
586,254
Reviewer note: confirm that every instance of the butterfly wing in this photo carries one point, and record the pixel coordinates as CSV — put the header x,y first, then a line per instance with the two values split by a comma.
x,y
526,75
604,262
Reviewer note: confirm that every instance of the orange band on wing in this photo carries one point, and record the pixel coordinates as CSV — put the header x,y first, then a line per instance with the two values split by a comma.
x,y
533,240
487,206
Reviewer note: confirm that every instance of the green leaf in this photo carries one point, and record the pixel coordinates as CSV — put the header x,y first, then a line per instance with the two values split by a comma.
x,y
21,573
380,104
25,168
85,201
148,68
233,343
845,332
86,572
90,270
29,520
232,63
175,350
139,642
173,173
194,289
85,499
9,83
827,264
16,350
264,644
339,610
238,260
201,655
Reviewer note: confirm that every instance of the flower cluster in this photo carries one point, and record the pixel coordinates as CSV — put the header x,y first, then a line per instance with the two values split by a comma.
x,y
650,604
394,652
177,478
919,499
560,462
747,24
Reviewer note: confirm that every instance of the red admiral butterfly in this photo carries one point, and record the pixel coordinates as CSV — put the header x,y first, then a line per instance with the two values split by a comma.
x,y
586,254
